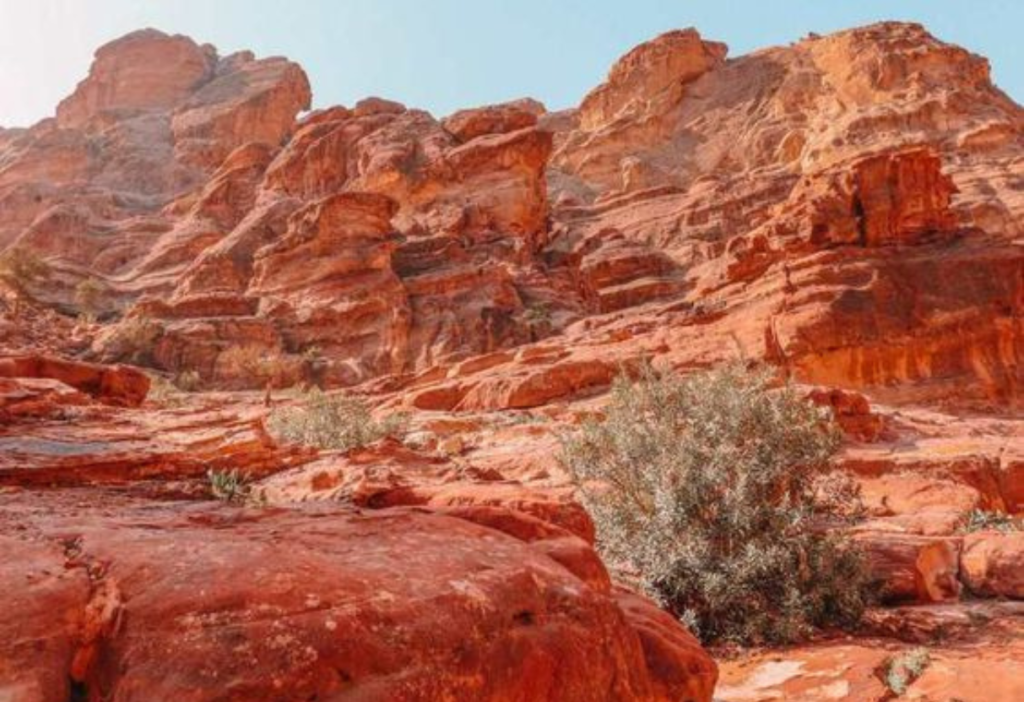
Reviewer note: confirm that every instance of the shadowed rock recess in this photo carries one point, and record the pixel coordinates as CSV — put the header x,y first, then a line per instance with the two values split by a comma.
x,y
848,208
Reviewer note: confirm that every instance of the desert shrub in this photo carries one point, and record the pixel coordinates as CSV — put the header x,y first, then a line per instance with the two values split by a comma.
x,y
256,365
332,422
187,381
538,313
164,392
312,354
20,270
709,493
229,485
88,296
900,671
133,339
982,520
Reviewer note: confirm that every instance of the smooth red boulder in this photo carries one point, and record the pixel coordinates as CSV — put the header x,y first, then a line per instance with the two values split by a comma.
x,y
204,602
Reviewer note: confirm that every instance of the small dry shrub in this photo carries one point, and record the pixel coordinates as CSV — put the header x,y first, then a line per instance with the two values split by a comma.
x,y
133,340
256,365
339,422
982,520
902,670
21,270
187,381
89,296
229,485
707,493
538,313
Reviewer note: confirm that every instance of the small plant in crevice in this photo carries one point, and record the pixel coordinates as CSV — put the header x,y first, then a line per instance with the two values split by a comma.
x,y
133,340
537,313
163,392
338,422
256,365
899,672
187,381
229,485
716,494
313,366
983,520
22,270
89,297
524,417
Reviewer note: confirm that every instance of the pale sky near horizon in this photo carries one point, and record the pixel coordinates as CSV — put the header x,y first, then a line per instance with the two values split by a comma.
x,y
442,55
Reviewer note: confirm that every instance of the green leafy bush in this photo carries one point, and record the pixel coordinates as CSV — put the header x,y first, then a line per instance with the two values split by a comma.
x,y
714,494
339,422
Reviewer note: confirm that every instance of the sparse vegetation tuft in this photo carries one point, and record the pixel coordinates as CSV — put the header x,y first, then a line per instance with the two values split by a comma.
x,y
538,313
229,485
21,270
983,520
133,339
339,422
187,381
256,365
902,670
88,297
715,494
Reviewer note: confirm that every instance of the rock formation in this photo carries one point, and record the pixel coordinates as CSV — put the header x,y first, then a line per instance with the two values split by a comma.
x,y
847,209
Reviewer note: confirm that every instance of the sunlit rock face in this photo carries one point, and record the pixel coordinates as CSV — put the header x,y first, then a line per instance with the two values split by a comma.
x,y
816,194
155,118
812,195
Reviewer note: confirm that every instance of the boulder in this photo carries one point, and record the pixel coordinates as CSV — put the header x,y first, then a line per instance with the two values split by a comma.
x,y
113,385
992,564
205,601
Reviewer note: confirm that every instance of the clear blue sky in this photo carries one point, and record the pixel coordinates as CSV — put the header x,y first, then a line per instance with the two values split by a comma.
x,y
446,54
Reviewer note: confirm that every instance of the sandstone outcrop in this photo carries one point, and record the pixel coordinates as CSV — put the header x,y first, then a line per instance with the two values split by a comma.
x,y
993,564
118,385
847,209
208,601
982,670
152,121
142,70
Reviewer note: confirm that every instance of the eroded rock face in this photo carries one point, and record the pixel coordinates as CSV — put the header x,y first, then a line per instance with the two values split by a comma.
x,y
247,100
501,591
803,210
654,72
143,70
845,669
420,237
118,385
778,185
898,197
330,284
152,121
993,564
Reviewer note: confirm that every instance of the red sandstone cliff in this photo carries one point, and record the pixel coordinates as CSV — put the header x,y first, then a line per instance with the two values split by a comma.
x,y
847,208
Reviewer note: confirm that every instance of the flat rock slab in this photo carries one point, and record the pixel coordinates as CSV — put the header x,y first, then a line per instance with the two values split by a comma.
x,y
983,667
127,599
